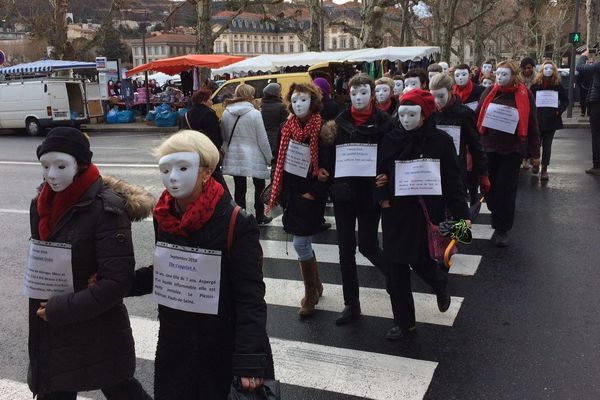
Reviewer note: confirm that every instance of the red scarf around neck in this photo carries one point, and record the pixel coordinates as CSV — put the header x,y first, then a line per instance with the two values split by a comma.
x,y
522,101
196,214
465,92
361,117
384,106
293,131
51,205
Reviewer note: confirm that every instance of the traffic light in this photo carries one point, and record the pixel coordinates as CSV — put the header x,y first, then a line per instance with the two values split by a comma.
x,y
574,37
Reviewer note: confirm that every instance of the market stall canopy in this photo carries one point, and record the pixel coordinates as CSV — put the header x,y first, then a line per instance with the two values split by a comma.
x,y
274,62
179,64
46,66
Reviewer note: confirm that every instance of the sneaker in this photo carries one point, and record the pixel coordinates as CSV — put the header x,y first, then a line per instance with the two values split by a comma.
x,y
264,220
397,333
500,239
593,171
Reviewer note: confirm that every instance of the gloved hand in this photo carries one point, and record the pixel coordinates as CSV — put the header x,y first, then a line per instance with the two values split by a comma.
x,y
484,184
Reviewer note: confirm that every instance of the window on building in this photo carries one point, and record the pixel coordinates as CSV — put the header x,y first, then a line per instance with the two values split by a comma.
x,y
281,48
234,23
333,44
301,47
291,47
256,47
342,43
264,48
217,47
225,48
236,47
172,50
150,50
246,24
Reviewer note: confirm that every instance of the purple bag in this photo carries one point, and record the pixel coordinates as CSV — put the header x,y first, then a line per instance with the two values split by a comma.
x,y
437,243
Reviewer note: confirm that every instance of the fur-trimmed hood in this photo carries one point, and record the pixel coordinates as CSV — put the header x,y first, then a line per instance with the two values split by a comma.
x,y
138,201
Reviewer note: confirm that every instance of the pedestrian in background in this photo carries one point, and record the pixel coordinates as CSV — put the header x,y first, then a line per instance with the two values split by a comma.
x,y
548,84
584,82
593,106
527,73
246,147
331,108
273,111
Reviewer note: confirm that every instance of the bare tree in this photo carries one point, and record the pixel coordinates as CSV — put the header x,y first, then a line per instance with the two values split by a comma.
x,y
59,37
593,22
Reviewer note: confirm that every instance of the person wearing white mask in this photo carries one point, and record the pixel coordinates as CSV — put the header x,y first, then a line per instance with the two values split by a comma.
x,y
489,80
302,189
552,101
486,69
383,96
79,332
508,125
359,129
415,79
398,85
432,70
214,330
464,88
416,146
444,66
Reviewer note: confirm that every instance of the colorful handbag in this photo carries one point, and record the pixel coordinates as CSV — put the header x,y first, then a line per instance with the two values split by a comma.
x,y
437,242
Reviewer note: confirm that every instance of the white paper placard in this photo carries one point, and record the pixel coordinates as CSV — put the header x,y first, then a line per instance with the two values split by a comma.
x,y
356,159
297,159
186,278
49,271
472,105
419,177
454,132
546,98
501,118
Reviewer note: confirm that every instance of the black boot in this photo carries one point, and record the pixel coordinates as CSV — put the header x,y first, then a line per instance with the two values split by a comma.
x,y
350,314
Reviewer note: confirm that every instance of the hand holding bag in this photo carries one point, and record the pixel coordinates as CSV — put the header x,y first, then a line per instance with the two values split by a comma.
x,y
270,390
436,242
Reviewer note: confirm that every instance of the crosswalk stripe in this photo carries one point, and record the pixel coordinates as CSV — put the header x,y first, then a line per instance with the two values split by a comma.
x,y
462,264
326,368
14,390
373,302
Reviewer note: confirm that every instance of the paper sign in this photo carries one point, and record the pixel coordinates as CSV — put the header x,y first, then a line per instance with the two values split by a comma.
x,y
49,271
356,159
472,105
454,132
501,118
546,98
297,159
419,177
186,278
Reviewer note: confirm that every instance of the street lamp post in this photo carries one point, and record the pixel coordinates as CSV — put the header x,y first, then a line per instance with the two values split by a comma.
x,y
572,66
146,85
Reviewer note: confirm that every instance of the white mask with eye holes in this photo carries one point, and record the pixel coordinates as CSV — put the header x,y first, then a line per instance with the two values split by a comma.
x,y
432,74
411,83
487,83
360,96
461,77
179,173
444,66
382,93
486,68
548,70
59,170
409,116
398,87
503,76
300,104
441,97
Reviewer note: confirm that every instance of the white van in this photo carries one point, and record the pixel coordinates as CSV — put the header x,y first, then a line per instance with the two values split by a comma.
x,y
36,104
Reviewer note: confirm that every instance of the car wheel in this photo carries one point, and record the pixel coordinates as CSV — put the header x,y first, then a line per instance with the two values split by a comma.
x,y
33,127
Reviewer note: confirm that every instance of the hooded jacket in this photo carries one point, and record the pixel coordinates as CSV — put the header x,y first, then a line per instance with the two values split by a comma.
x,y
247,153
87,342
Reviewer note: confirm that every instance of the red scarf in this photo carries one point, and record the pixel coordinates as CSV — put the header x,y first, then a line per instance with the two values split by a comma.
x,y
361,117
383,106
51,205
522,101
293,131
465,92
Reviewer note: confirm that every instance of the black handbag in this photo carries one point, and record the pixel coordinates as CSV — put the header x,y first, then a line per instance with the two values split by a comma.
x,y
270,390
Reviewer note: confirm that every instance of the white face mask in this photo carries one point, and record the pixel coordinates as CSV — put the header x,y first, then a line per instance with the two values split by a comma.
x,y
300,104
548,70
441,96
179,173
398,87
360,96
382,93
411,83
432,74
487,83
486,68
444,66
461,77
59,169
409,116
503,76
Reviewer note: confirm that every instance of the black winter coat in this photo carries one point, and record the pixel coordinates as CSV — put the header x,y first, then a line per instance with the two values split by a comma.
x,y
592,71
550,119
331,109
274,113
475,95
403,224
233,342
203,119
87,342
457,114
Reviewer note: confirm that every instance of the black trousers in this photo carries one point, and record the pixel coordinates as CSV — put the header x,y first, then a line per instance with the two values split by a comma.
x,y
583,93
547,137
472,186
399,286
240,194
504,177
129,389
346,215
594,113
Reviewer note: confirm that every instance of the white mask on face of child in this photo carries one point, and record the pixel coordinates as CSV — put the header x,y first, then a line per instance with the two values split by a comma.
x,y
360,96
487,83
300,104
179,173
398,87
59,169
409,116
548,70
486,68
461,77
444,66
382,93
441,96
411,83
503,76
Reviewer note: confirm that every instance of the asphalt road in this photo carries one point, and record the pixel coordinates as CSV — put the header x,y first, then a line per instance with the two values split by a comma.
x,y
524,322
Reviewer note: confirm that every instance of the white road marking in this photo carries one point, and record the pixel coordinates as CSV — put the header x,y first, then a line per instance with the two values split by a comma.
x,y
37,164
334,369
13,390
484,209
10,211
373,302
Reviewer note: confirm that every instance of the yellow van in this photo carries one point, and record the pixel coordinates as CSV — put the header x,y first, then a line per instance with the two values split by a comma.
x,y
226,90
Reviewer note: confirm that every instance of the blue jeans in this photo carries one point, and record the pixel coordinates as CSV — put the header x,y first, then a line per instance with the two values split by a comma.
x,y
303,247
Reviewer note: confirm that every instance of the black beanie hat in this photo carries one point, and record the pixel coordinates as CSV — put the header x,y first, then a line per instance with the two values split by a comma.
x,y
527,61
67,140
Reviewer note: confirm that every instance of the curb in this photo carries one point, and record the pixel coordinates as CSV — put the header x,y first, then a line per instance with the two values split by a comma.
x,y
132,129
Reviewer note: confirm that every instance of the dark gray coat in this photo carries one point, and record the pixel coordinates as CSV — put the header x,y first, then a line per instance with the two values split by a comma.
x,y
274,113
591,71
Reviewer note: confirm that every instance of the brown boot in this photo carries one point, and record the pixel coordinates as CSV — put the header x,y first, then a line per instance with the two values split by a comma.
x,y
309,272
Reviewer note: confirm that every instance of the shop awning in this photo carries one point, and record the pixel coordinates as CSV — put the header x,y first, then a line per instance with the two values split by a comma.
x,y
46,66
176,65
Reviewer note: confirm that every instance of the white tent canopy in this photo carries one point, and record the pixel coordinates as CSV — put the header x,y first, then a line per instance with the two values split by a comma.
x,y
274,62
46,66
